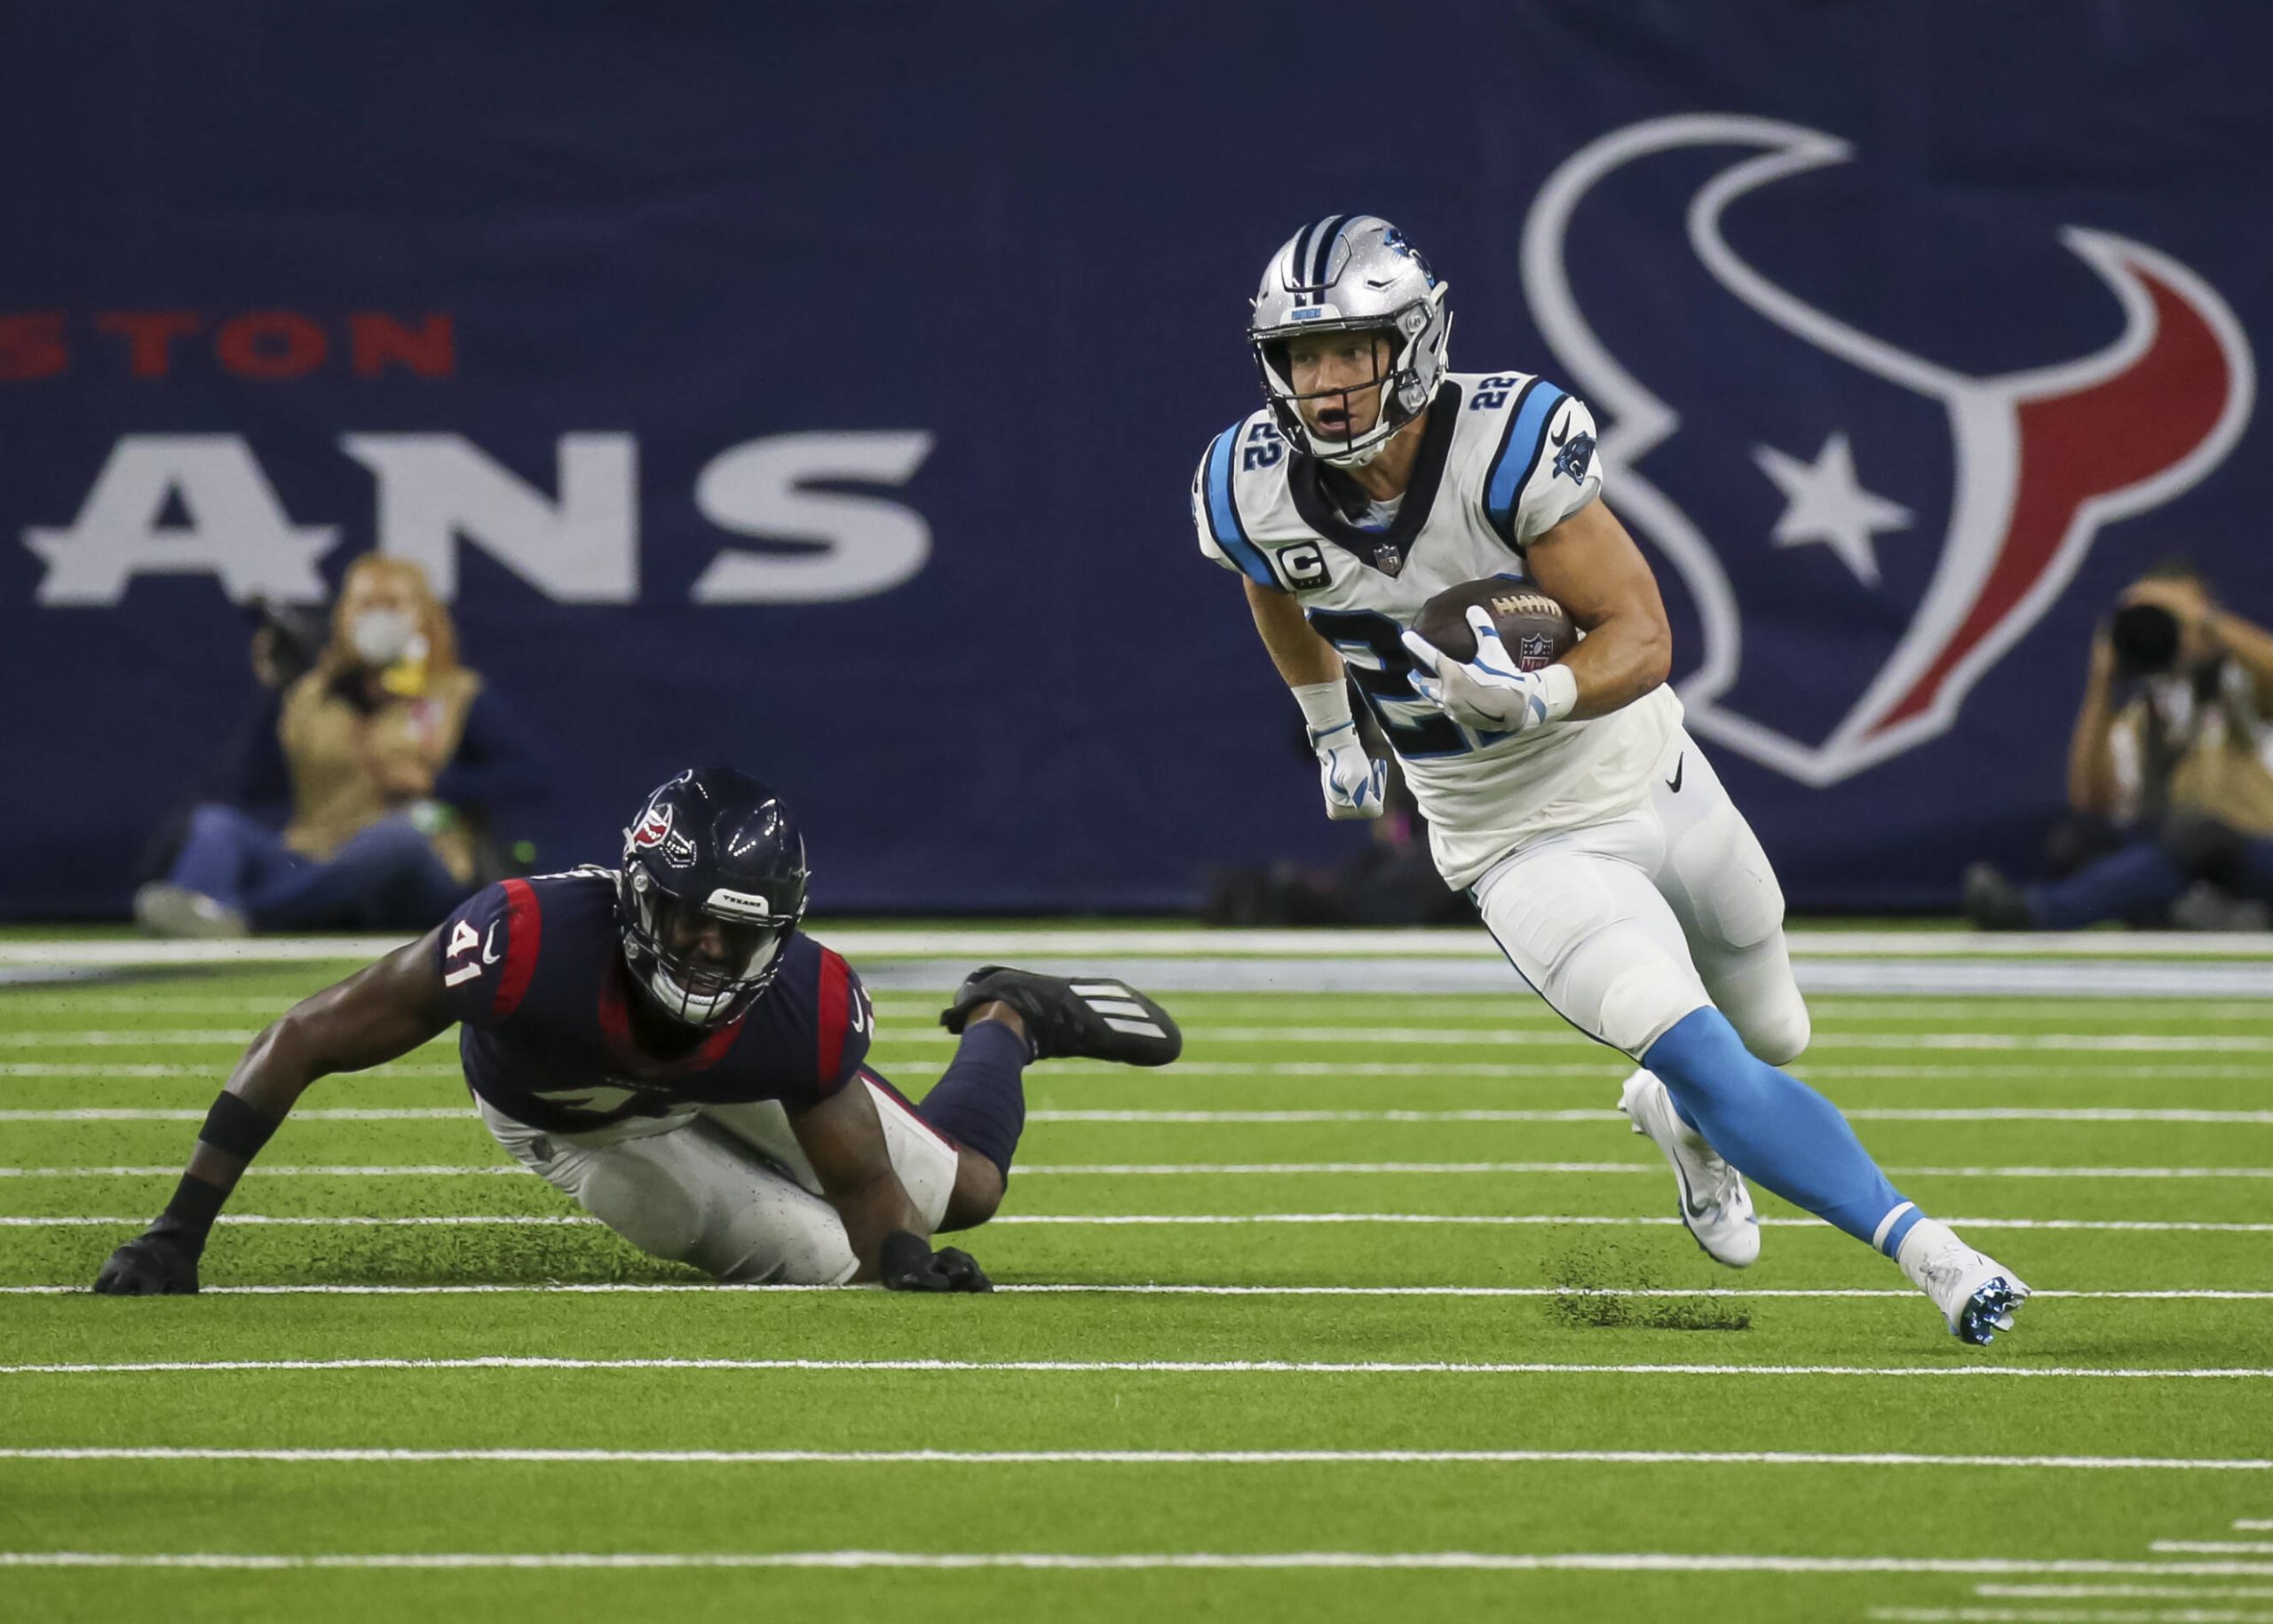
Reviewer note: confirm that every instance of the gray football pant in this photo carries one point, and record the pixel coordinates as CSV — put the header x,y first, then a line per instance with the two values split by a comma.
x,y
725,1188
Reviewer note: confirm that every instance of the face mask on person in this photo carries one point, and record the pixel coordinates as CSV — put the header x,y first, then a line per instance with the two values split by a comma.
x,y
382,637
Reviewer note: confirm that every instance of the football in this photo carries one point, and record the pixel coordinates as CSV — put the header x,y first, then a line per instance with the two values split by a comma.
x,y
1533,625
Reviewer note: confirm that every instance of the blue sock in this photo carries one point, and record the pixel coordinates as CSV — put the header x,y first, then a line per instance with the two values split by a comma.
x,y
980,1101
1776,1130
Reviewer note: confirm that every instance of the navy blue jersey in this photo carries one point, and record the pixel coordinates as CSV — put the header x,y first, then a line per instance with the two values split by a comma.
x,y
534,971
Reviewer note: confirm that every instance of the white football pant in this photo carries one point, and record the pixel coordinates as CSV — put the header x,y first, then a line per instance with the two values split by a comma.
x,y
726,1187
1626,925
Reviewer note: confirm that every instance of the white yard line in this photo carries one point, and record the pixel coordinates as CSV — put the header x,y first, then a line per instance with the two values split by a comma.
x,y
171,1037
2213,1548
960,942
1864,1008
1981,1113
1143,1219
1552,1220
1596,1562
1139,1367
641,1287
327,1114
2079,1042
2065,1615
1482,1006
1147,1457
1608,1069
1638,1168
435,1171
635,1287
1485,1008
1407,1037
2125,1592
90,1068
1965,1114
1202,1169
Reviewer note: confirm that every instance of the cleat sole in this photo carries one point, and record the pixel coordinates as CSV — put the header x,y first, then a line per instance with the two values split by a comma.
x,y
1989,1311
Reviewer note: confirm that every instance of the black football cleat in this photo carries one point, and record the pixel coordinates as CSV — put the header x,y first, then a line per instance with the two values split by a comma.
x,y
1993,902
1086,1017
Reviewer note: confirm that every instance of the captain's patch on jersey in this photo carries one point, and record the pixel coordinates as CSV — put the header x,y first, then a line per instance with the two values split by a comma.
x,y
1303,563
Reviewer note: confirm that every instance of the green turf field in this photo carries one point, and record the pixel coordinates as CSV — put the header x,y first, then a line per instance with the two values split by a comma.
x,y
1372,1307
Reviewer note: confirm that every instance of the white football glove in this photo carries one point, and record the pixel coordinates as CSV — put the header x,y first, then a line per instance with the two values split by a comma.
x,y
1489,692
1354,782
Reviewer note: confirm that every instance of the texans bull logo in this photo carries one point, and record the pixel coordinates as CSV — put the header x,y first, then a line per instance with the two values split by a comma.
x,y
655,827
2028,465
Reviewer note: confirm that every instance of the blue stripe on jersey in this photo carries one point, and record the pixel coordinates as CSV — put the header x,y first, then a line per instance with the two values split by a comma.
x,y
1223,512
1517,455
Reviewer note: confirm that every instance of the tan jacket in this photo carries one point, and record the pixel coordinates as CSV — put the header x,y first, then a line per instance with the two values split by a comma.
x,y
2220,751
329,744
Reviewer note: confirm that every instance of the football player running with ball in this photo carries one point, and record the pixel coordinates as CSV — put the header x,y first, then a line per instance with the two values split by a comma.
x,y
1605,857
665,1045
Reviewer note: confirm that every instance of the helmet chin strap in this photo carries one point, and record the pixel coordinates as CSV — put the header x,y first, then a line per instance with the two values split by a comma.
x,y
694,1008
1362,456
699,1009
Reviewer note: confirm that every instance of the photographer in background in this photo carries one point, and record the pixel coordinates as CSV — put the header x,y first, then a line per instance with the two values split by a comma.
x,y
249,772
2168,780
394,754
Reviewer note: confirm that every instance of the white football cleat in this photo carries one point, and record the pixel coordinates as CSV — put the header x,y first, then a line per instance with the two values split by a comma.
x,y
1977,1295
163,908
1715,1203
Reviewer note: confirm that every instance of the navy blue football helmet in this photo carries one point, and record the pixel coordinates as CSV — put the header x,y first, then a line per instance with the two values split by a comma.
x,y
711,848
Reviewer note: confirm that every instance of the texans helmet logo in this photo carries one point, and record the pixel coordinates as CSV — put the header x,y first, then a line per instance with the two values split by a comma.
x,y
1896,608
655,827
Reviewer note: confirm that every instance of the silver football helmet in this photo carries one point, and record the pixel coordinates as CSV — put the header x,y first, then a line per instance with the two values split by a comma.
x,y
1351,273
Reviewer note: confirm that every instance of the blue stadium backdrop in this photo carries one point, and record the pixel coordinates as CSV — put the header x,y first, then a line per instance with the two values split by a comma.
x,y
819,388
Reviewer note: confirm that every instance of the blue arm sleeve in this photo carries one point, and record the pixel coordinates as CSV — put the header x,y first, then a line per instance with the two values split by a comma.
x,y
495,760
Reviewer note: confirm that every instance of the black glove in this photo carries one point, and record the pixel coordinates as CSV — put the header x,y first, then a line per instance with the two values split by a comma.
x,y
907,1262
155,1263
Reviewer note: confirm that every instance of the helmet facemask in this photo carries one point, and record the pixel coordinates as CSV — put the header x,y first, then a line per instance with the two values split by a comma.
x,y
661,931
1401,393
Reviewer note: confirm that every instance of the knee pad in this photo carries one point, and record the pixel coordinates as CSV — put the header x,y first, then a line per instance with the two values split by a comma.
x,y
653,1213
1642,1001
1779,1035
819,1258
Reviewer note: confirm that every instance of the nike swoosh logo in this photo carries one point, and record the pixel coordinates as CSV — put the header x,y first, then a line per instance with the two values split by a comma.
x,y
1557,439
1680,765
489,948
1688,1201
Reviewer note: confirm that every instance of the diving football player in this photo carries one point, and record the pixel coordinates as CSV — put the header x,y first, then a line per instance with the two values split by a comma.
x,y
1604,856
664,1043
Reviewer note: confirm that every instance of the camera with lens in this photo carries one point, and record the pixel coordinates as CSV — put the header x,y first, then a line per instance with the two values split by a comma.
x,y
296,634
2146,639
2149,641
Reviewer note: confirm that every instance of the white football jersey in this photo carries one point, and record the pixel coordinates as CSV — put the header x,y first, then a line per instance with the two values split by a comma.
x,y
1504,459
